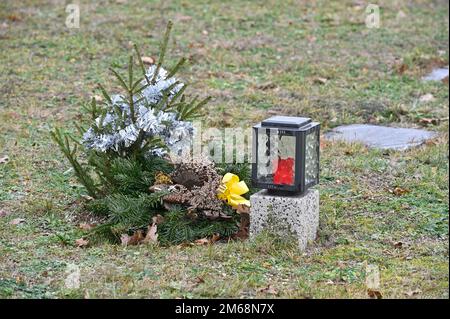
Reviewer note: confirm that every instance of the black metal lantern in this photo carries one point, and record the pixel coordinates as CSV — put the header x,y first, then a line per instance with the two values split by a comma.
x,y
286,154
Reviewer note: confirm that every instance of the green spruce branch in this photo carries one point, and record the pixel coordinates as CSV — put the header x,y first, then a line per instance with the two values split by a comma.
x,y
83,176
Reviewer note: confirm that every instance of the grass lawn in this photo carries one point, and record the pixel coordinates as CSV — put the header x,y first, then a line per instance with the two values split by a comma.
x,y
318,59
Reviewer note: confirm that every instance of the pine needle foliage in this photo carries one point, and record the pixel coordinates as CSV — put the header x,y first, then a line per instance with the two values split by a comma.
x,y
177,228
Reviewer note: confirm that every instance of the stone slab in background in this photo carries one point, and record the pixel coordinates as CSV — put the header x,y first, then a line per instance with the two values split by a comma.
x,y
381,137
287,216
437,75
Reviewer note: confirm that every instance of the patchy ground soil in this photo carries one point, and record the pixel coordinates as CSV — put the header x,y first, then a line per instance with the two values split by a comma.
x,y
315,59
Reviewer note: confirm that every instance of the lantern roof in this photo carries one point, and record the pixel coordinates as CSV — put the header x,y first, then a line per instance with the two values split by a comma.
x,y
286,121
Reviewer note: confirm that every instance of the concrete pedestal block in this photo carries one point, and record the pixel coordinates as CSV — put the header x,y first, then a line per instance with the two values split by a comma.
x,y
286,216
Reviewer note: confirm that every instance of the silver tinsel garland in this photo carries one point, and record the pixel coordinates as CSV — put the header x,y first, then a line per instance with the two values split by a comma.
x,y
177,135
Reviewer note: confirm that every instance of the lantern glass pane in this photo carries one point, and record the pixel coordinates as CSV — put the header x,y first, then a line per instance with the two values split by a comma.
x,y
312,157
276,157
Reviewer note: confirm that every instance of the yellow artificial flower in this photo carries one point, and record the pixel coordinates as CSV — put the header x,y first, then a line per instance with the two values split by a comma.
x,y
232,189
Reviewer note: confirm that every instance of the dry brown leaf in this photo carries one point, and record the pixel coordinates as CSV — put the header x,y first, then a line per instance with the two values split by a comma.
x,y
151,236
320,80
227,119
399,191
398,244
429,121
215,238
266,265
375,294
86,226
431,142
81,242
4,159
17,221
402,68
184,245
275,111
158,219
348,152
413,292
194,283
206,241
427,98
243,209
401,15
147,60
311,39
269,290
202,241
4,213
136,238
182,18
267,86
98,98
323,142
124,239
87,197
13,18
243,227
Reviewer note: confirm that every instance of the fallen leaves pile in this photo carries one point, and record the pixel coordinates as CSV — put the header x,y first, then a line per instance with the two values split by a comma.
x,y
151,236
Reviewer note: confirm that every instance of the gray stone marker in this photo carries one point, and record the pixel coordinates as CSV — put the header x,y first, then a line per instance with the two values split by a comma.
x,y
294,216
437,75
381,137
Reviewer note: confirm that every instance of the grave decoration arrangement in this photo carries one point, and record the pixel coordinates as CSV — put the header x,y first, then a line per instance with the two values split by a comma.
x,y
140,194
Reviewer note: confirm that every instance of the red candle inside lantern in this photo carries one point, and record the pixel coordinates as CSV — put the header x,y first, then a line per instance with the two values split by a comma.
x,y
284,173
